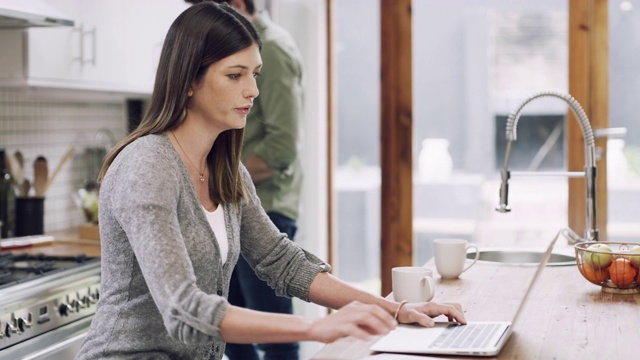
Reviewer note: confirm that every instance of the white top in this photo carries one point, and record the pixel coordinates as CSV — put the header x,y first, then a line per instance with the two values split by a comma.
x,y
216,221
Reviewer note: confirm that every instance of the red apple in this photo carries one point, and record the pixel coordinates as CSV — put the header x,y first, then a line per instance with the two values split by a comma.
x,y
622,273
598,256
596,276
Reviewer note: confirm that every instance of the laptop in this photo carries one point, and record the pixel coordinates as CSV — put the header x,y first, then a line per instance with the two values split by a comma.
x,y
477,338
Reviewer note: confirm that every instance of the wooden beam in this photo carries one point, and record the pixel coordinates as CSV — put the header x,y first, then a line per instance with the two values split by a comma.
x,y
396,134
331,218
600,104
588,83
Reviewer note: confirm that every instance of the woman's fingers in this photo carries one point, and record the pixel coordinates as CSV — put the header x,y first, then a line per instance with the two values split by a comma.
x,y
371,318
366,320
454,313
355,319
422,313
421,318
361,332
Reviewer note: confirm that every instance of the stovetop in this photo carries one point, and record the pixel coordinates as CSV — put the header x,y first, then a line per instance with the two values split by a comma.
x,y
18,268
41,293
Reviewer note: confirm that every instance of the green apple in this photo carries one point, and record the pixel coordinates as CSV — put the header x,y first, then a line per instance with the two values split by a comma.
x,y
635,259
598,256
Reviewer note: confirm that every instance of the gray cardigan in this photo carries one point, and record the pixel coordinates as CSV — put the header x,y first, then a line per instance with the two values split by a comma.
x,y
164,288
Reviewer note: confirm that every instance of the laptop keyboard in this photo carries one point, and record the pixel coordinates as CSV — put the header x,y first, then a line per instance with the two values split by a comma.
x,y
465,336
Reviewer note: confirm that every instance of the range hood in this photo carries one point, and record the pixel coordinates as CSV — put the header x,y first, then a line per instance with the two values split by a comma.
x,y
30,13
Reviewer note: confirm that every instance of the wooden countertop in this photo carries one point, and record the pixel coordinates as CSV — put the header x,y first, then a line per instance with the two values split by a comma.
x,y
566,316
66,242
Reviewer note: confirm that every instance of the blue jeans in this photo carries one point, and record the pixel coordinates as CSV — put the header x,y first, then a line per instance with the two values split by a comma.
x,y
247,291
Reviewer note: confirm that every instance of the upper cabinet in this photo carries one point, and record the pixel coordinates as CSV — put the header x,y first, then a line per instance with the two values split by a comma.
x,y
147,23
114,46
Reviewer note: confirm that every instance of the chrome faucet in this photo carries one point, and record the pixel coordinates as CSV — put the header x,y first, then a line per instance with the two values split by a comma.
x,y
591,232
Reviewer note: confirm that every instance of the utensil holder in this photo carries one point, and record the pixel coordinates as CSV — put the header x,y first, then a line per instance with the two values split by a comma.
x,y
29,215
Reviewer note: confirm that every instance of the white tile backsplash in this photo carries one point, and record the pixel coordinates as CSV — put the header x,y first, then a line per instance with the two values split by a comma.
x,y
44,123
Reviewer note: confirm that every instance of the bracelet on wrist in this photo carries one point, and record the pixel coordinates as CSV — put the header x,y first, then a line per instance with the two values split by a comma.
x,y
395,317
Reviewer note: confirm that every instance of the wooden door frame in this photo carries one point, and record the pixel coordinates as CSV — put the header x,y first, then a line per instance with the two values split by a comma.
x,y
589,84
331,162
396,139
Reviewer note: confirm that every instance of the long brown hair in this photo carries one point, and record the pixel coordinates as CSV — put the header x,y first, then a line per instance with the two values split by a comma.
x,y
200,36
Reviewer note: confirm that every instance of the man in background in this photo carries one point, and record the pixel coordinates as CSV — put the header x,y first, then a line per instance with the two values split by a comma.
x,y
270,153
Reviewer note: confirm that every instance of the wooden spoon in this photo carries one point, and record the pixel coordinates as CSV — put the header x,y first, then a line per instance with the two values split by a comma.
x,y
17,167
25,187
20,158
67,155
40,175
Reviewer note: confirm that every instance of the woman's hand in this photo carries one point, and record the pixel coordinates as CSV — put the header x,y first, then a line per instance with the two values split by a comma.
x,y
354,319
423,312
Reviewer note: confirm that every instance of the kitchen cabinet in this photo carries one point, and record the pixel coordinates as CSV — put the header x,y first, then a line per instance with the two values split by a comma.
x,y
114,46
87,55
146,23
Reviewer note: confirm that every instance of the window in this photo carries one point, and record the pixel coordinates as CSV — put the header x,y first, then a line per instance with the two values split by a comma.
x,y
623,151
473,65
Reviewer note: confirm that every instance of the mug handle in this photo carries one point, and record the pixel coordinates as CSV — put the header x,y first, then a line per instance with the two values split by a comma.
x,y
475,259
428,287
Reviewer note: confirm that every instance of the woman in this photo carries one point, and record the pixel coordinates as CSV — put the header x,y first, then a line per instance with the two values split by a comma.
x,y
177,209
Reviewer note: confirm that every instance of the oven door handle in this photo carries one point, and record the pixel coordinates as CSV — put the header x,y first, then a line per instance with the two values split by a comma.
x,y
55,348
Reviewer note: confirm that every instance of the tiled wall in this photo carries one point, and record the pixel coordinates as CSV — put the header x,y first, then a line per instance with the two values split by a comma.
x,y
47,122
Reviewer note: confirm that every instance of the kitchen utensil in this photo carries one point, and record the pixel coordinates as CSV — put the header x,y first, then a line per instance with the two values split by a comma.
x,y
18,173
616,269
94,156
14,169
15,165
67,155
20,159
25,187
40,175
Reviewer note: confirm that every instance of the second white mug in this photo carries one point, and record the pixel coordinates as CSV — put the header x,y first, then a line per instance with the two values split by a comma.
x,y
450,256
412,283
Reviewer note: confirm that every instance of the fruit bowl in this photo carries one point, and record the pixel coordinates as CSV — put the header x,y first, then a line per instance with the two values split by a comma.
x,y
615,266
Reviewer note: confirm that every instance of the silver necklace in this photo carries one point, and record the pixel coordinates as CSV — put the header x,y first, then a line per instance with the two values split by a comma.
x,y
200,173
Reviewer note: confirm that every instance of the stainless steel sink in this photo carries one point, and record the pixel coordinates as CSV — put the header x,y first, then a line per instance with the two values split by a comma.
x,y
521,257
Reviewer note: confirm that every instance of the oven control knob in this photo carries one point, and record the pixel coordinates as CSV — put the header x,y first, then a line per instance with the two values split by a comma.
x,y
88,300
65,309
12,327
77,304
25,323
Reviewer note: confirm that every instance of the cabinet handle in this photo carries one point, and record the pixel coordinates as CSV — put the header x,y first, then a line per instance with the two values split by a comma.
x,y
82,34
92,33
80,31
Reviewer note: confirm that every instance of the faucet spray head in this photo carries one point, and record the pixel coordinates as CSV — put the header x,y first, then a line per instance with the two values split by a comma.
x,y
504,193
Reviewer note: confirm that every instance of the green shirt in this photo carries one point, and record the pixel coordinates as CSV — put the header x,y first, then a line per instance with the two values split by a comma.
x,y
272,130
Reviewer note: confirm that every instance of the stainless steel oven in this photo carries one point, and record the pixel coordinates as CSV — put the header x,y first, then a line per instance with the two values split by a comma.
x,y
46,304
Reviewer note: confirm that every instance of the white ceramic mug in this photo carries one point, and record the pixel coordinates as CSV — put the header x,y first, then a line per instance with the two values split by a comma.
x,y
412,283
450,256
